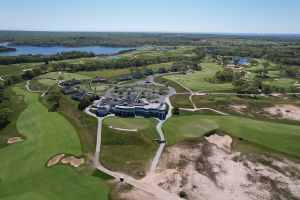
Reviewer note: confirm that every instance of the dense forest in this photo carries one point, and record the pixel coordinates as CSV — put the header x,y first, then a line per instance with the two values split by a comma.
x,y
73,39
7,60
5,49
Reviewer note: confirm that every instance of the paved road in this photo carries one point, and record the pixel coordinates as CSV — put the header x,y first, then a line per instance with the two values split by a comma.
x,y
159,128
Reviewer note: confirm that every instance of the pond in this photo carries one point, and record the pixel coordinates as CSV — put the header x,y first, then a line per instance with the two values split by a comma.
x,y
34,50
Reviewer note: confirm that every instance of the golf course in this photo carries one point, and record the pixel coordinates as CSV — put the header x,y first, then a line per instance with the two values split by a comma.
x,y
277,136
23,174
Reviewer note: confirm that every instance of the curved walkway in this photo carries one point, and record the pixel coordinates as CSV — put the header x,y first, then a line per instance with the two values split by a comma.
x,y
144,185
33,91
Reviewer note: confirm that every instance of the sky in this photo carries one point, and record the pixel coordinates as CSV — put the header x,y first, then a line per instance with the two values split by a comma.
x,y
201,16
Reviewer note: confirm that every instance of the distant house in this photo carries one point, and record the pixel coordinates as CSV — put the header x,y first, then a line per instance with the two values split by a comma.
x,y
70,83
124,78
69,90
99,80
162,70
80,96
137,74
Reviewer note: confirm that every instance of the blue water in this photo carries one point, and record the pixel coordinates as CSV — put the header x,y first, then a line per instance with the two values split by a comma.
x,y
242,60
25,50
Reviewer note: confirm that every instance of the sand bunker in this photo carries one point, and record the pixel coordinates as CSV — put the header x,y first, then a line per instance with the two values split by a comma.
x,y
238,108
54,160
14,140
285,111
222,142
75,162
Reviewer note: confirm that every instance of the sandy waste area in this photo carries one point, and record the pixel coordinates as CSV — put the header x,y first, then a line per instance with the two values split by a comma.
x,y
285,111
208,170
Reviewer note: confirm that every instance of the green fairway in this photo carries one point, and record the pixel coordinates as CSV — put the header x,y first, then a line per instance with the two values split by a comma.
x,y
198,81
281,137
129,152
66,76
23,174
16,69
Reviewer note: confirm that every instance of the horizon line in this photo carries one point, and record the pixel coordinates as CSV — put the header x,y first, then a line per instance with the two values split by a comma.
x,y
162,32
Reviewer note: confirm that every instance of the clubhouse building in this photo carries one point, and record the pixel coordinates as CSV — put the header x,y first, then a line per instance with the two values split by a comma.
x,y
130,108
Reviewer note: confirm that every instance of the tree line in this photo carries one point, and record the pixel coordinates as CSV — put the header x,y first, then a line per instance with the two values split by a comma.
x,y
7,60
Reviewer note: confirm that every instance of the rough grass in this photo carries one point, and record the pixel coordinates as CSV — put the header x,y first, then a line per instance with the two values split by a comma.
x,y
129,152
181,101
36,85
16,104
23,174
277,136
176,86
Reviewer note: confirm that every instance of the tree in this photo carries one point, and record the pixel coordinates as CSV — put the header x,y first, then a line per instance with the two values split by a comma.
x,y
226,75
175,111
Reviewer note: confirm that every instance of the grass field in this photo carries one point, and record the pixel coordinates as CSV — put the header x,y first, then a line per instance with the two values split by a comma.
x,y
23,174
129,152
16,105
16,69
176,86
66,76
277,136
181,101
198,81
116,73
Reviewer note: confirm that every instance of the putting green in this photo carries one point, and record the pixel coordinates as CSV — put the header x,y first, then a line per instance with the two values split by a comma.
x,y
22,168
278,136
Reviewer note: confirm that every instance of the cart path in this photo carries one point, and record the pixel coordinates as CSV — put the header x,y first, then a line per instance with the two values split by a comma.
x,y
142,184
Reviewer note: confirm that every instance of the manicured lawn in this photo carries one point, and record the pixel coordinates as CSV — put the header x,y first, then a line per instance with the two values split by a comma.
x,y
277,136
198,81
129,152
22,167
128,123
47,82
99,88
66,76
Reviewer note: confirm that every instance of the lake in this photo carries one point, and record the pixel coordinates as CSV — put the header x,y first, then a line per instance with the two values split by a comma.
x,y
25,50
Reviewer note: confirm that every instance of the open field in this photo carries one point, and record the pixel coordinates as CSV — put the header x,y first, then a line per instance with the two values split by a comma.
x,y
16,69
116,73
181,101
47,134
245,106
176,86
199,80
66,76
128,152
277,136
